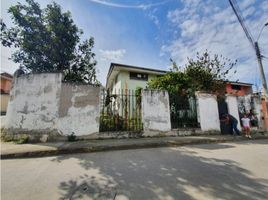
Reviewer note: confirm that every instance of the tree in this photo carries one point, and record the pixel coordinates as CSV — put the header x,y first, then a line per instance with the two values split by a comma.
x,y
206,73
47,40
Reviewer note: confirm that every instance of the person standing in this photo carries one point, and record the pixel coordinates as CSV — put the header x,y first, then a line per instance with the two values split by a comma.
x,y
246,125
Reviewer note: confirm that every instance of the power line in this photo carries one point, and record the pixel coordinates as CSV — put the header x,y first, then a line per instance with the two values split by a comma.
x,y
240,18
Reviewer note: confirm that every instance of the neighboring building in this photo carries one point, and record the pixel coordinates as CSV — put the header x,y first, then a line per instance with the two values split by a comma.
x,y
6,83
129,77
238,88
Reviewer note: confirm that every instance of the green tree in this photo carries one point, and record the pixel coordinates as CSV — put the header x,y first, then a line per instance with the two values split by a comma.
x,y
47,40
205,73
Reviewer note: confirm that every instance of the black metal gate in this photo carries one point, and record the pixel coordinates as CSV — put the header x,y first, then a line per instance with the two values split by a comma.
x,y
223,109
183,111
121,111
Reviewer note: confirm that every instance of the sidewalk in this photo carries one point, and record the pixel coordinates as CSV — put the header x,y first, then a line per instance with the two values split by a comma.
x,y
11,150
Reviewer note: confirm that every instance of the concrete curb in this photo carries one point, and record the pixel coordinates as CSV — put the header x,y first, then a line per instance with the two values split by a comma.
x,y
114,147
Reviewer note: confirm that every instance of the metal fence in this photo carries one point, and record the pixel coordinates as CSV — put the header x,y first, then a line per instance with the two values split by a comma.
x,y
121,110
183,111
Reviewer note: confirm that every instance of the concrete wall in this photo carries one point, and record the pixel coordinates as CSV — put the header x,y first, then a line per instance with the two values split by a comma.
x,y
79,109
155,111
34,102
258,110
208,112
232,104
41,103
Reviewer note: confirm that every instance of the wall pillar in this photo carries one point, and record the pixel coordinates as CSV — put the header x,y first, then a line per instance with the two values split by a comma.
x,y
155,111
258,109
208,112
264,113
232,103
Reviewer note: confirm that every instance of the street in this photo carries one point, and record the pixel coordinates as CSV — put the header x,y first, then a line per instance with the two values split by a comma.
x,y
236,170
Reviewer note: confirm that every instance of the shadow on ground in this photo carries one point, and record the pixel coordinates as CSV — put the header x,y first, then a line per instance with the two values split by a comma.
x,y
163,173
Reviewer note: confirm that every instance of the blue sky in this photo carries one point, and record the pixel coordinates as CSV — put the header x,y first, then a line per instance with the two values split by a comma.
x,y
148,33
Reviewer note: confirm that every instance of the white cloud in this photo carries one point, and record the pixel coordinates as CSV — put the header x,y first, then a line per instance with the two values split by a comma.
x,y
119,5
112,55
219,32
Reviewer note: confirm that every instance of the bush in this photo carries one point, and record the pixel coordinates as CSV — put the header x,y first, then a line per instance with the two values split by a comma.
x,y
72,137
18,139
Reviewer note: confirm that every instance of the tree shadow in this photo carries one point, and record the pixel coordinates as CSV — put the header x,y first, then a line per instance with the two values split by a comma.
x,y
163,173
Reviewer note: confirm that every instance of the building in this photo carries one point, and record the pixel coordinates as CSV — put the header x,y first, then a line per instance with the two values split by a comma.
x,y
122,76
6,83
238,88
130,77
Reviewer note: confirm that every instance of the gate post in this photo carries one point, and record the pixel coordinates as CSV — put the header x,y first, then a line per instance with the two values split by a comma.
x,y
208,112
232,103
155,112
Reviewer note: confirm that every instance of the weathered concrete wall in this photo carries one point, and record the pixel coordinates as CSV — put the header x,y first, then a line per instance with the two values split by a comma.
x,y
232,104
79,109
41,103
34,102
258,110
208,112
155,111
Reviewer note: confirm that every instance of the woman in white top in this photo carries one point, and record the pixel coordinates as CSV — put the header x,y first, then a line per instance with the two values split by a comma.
x,y
246,125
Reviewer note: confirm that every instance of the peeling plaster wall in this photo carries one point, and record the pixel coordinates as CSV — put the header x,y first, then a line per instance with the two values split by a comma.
x,y
34,102
79,109
41,103
155,110
232,103
208,111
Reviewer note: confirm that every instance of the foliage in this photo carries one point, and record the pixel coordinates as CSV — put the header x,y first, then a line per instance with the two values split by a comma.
x,y
206,73
114,122
47,40
72,137
18,139
138,97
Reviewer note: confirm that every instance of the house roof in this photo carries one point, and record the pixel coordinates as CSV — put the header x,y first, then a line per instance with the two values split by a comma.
x,y
122,67
239,83
6,75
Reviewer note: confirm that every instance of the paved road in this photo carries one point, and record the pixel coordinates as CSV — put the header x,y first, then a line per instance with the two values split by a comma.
x,y
214,171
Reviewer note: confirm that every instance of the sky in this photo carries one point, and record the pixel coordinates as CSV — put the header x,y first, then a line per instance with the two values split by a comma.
x,y
148,33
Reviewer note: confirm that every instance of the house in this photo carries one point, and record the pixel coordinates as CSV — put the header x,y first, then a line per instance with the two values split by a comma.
x,y
122,76
238,88
6,83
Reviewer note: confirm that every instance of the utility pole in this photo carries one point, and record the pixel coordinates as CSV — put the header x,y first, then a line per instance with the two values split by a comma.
x,y
255,45
262,75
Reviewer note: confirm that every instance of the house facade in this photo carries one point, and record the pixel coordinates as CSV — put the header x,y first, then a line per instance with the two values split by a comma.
x,y
6,83
129,77
238,88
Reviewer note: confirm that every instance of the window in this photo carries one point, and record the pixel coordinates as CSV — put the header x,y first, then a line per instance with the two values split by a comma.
x,y
236,87
138,76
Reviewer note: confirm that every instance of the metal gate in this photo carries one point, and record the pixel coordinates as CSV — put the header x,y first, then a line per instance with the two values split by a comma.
x,y
223,109
121,111
183,112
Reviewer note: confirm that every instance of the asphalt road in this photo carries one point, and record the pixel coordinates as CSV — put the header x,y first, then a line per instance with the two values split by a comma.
x,y
213,171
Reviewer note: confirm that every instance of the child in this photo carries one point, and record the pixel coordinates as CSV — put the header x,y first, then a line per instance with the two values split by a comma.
x,y
246,125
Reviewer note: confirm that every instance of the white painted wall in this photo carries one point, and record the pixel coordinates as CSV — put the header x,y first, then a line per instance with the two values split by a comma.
x,y
79,109
155,110
42,103
34,102
208,112
258,110
232,104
